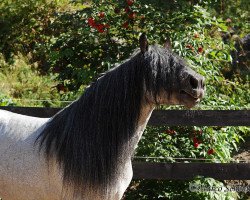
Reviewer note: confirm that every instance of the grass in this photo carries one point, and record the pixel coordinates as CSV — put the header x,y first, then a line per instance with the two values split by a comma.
x,y
21,80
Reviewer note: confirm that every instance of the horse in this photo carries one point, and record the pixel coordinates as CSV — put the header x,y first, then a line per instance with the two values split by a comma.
x,y
85,150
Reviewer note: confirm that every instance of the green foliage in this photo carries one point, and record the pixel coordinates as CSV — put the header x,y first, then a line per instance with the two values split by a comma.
x,y
5,101
179,190
175,144
23,24
22,83
237,12
189,142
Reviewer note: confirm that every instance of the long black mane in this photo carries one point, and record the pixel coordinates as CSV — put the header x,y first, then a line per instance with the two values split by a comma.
x,y
92,137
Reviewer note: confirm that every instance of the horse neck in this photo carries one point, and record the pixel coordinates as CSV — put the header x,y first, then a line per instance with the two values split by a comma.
x,y
145,115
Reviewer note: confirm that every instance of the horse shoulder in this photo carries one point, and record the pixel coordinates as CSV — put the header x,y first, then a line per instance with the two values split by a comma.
x,y
22,169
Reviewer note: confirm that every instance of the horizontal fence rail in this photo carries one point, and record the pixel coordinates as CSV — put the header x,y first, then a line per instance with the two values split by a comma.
x,y
188,171
32,111
200,118
178,171
166,117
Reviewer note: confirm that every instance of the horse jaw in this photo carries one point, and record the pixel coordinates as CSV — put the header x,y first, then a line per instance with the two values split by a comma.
x,y
163,98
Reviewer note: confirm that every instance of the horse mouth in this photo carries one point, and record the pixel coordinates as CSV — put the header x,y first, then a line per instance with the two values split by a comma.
x,y
190,96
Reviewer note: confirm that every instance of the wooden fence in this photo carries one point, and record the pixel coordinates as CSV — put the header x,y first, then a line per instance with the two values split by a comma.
x,y
179,171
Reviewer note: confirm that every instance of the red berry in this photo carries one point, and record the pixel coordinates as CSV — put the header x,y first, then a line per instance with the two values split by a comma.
x,y
91,22
101,15
61,87
210,151
130,2
196,142
189,46
200,49
125,25
196,35
100,28
132,15
196,145
127,10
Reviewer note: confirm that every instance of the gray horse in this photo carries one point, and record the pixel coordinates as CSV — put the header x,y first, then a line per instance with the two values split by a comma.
x,y
84,152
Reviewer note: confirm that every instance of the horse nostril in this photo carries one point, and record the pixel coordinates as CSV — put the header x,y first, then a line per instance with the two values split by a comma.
x,y
202,84
193,82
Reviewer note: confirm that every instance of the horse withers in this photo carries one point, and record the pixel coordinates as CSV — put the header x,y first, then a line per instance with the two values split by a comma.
x,y
84,152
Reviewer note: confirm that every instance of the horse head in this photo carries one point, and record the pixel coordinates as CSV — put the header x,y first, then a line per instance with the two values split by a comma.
x,y
168,78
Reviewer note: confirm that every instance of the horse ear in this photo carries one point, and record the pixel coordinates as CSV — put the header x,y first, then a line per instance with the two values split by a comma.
x,y
168,44
143,43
